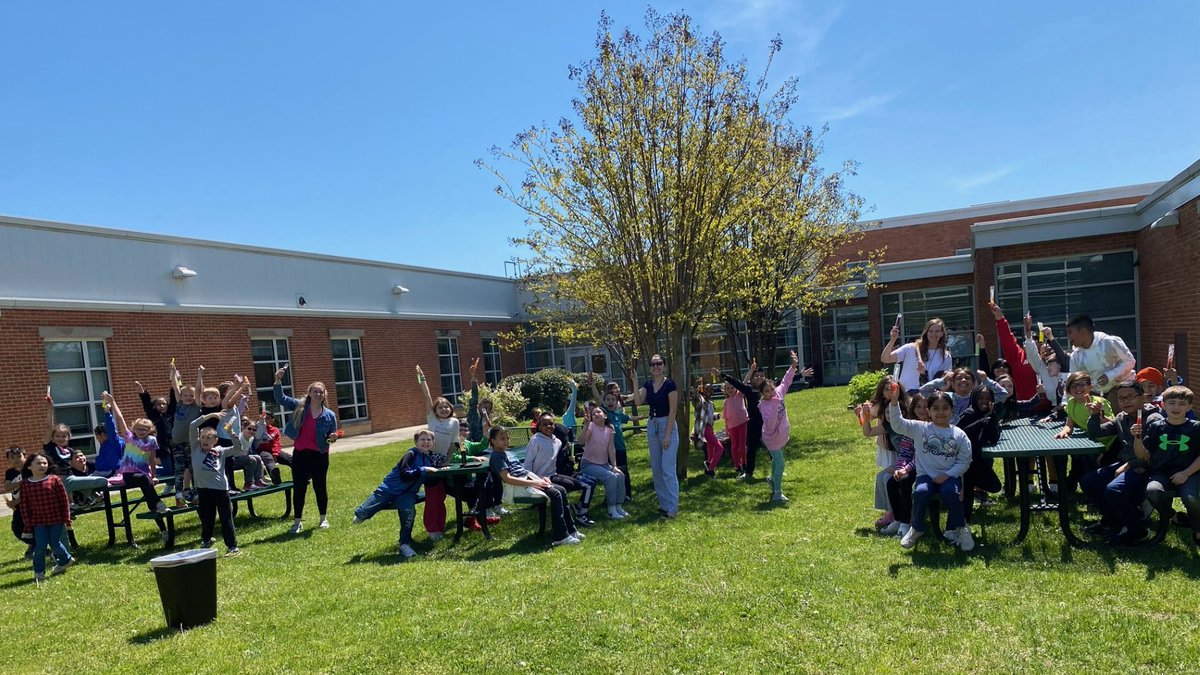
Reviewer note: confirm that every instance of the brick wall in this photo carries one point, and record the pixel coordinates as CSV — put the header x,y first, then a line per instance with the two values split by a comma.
x,y
1169,288
143,344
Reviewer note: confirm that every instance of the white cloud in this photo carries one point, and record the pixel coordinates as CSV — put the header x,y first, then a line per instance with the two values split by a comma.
x,y
853,109
971,182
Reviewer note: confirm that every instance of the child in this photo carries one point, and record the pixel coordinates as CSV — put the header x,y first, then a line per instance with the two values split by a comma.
x,y
161,412
544,457
981,423
399,489
519,480
1167,457
706,415
108,447
137,464
1105,485
440,418
212,486
885,449
1078,410
736,417
45,512
900,482
269,447
943,454
776,428
57,448
243,457
186,412
12,485
616,416
600,461
81,484
962,382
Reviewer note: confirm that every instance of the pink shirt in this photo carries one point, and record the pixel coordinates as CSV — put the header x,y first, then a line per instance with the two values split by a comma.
x,y
306,438
776,428
735,410
595,451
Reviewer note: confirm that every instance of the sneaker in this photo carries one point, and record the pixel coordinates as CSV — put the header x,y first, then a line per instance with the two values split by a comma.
x,y
260,484
492,520
951,536
579,535
628,500
710,473
1128,537
780,498
324,524
179,503
584,520
891,530
567,541
436,536
161,507
884,520
501,511
406,551
59,569
904,528
297,528
473,524
966,541
39,578
663,513
207,543
357,521
623,512
910,538
247,487
614,513
233,552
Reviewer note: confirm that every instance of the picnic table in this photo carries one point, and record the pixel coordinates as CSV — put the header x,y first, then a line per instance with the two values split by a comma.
x,y
458,473
1025,438
127,507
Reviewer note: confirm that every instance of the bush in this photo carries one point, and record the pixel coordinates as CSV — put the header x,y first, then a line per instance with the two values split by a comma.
x,y
862,386
550,389
508,404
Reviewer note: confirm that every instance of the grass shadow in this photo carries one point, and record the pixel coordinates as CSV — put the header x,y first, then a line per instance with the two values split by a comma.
x,y
152,636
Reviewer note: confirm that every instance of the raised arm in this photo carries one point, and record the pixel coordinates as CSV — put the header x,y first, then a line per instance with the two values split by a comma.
x,y
782,388
242,388
424,389
888,355
199,380
595,390
173,373
50,423
283,400
122,430
1059,352
569,415
750,369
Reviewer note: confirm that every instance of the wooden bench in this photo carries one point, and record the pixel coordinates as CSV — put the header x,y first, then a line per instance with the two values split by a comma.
x,y
248,496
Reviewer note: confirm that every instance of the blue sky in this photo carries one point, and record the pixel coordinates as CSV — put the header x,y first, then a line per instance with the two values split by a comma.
x,y
351,128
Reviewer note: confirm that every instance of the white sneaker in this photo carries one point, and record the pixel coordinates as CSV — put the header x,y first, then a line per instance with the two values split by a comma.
x,y
904,528
501,511
951,536
891,530
910,538
966,541
566,541
406,551
614,513
357,521
780,498
623,512
324,524
59,569
161,507
435,536
579,535
297,528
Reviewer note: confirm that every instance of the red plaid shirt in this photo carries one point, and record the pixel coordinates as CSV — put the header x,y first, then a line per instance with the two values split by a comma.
x,y
44,502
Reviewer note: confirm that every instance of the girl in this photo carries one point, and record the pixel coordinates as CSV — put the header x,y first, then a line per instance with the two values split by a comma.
x,y
981,423
57,448
661,395
903,474
544,456
1078,409
885,449
312,427
399,489
45,511
943,453
928,354
736,418
600,461
440,418
706,414
962,382
613,400
267,445
137,464
12,485
161,413
776,427
187,409
748,388
212,486
519,480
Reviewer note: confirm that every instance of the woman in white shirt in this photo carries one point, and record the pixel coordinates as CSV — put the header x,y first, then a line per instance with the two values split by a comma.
x,y
923,358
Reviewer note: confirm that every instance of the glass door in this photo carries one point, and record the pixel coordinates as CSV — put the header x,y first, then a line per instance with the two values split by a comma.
x,y
845,344
583,359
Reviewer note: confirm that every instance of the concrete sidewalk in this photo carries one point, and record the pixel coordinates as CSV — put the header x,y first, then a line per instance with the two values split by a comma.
x,y
348,444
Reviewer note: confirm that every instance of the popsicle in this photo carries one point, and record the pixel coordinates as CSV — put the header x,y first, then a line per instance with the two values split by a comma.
x,y
992,294
1171,355
898,317
1040,337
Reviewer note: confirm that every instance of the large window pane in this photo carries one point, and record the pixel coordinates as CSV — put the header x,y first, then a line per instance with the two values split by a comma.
x,y
69,387
350,388
64,355
954,305
270,355
96,355
342,373
99,384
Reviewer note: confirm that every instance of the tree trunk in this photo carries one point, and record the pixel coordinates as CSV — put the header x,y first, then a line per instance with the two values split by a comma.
x,y
679,373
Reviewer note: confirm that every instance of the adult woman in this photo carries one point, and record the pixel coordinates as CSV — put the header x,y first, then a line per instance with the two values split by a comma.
x,y
923,359
312,427
662,436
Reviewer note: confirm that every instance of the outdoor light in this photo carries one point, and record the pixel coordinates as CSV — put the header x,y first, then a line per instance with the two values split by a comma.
x,y
399,290
181,272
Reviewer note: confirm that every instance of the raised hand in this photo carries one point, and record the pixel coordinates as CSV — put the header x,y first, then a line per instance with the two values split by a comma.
x,y
1093,408
979,341
474,368
279,374
795,359
1028,323
996,313
141,389
895,333
807,372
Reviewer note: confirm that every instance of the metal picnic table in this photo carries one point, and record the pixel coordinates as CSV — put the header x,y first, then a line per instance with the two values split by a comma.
x,y
1025,438
459,472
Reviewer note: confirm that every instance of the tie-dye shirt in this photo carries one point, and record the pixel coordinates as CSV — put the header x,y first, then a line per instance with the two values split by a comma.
x,y
139,455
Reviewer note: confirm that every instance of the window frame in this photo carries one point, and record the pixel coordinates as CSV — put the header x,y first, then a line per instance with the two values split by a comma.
x,y
85,440
886,323
355,404
453,392
276,363
492,356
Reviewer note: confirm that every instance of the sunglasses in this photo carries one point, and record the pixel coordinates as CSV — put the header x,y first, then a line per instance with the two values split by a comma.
x,y
657,363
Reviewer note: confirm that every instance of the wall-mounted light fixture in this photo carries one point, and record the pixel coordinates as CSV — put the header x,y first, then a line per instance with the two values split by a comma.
x,y
181,272
399,290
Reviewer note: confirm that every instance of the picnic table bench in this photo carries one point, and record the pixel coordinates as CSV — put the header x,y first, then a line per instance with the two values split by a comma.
x,y
127,505
247,496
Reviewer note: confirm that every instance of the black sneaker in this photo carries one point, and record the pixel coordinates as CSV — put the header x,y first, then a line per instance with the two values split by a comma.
x,y
29,552
1099,528
710,473
663,513
584,520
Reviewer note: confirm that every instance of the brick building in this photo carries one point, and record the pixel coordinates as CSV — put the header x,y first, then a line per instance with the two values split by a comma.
x,y
86,309
1126,256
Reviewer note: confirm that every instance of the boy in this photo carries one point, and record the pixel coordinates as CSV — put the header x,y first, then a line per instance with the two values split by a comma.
x,y
1110,476
81,484
110,447
1167,456
12,485
269,448
399,489
161,413
208,466
186,412
1104,357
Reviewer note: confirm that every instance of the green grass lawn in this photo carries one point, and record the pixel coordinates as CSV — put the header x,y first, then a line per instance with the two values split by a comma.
x,y
734,584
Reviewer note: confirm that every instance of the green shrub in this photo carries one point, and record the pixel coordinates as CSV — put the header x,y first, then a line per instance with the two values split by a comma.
x,y
862,386
550,389
508,404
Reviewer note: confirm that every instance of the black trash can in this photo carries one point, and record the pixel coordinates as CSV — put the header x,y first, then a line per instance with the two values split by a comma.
x,y
187,586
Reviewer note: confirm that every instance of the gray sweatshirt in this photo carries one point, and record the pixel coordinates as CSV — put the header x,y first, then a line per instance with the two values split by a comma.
x,y
208,468
938,450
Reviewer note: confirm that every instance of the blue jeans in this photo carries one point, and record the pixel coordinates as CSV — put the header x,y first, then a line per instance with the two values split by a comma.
x,y
52,536
614,483
776,472
950,491
1189,494
1094,486
1123,497
662,463
406,507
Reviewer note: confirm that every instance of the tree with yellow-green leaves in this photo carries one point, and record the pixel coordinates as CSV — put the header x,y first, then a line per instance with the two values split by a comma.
x,y
680,193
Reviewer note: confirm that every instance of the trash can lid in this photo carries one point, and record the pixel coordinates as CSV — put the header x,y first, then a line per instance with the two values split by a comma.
x,y
184,558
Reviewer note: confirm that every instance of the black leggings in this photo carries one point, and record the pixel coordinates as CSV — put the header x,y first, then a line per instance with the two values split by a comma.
x,y
753,443
571,484
137,480
310,465
561,522
900,497
215,504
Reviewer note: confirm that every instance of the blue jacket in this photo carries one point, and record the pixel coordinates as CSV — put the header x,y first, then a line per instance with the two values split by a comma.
x,y
406,476
108,458
326,423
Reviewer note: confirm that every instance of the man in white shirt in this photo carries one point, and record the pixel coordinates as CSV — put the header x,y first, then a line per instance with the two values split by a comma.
x,y
1104,357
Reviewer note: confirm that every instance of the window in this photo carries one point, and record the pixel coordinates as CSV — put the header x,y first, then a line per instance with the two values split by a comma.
x,y
269,356
78,376
491,361
542,353
350,381
845,344
954,305
1055,291
448,365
